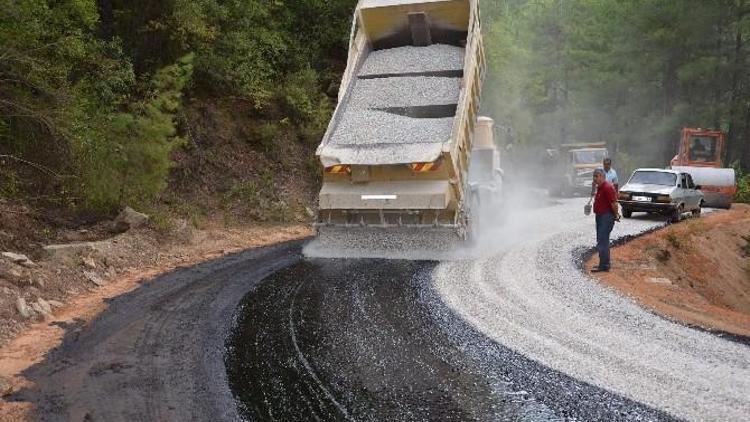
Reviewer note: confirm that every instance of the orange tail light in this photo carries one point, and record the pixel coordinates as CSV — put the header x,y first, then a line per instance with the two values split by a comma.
x,y
339,169
424,167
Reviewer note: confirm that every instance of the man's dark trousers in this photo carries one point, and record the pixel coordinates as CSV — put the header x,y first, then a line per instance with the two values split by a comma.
x,y
604,225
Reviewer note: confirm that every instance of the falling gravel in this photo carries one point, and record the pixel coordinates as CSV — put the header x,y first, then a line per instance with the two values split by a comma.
x,y
535,300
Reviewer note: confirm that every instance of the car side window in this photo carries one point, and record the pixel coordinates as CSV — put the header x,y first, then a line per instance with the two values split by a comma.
x,y
683,181
691,184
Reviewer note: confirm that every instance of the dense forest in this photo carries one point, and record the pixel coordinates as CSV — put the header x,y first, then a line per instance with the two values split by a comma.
x,y
99,99
93,92
629,73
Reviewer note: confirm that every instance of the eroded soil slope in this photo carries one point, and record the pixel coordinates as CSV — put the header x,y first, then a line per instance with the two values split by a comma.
x,y
697,272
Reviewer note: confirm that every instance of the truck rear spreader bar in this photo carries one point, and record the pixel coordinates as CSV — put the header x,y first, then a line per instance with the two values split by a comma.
x,y
391,218
443,221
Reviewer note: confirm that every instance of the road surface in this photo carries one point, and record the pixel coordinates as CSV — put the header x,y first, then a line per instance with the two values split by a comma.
x,y
519,334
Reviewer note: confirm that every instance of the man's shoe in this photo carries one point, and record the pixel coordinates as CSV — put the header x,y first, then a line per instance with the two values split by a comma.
x,y
599,270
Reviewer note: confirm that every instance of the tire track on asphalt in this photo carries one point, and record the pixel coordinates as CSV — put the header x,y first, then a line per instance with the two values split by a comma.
x,y
301,357
386,347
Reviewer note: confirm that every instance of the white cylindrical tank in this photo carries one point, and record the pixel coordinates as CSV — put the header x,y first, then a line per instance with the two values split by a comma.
x,y
709,176
483,133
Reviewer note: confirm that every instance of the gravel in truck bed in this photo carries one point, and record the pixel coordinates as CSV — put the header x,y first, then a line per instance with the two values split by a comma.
x,y
403,92
368,128
435,58
400,109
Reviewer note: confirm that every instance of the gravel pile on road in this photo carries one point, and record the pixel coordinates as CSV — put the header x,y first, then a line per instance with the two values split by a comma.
x,y
434,58
535,300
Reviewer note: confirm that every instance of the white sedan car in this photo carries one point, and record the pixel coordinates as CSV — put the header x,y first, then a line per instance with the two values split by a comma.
x,y
667,192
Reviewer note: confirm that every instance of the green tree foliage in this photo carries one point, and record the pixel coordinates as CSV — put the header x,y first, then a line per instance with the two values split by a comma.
x,y
91,89
243,47
628,73
129,163
48,63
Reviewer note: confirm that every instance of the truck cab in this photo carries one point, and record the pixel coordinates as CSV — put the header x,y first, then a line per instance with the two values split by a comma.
x,y
572,167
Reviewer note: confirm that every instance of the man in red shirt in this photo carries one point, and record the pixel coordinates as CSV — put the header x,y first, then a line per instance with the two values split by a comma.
x,y
607,212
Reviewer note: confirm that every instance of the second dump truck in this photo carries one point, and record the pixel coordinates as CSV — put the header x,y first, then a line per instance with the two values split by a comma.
x,y
397,150
571,167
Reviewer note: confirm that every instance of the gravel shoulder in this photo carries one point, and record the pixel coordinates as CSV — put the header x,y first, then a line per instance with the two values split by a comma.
x,y
535,300
696,272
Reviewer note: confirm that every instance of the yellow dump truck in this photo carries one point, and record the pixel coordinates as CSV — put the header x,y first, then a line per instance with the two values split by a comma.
x,y
571,167
397,150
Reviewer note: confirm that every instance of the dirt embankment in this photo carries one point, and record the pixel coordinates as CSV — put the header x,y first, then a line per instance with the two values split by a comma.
x,y
232,186
77,286
696,272
93,263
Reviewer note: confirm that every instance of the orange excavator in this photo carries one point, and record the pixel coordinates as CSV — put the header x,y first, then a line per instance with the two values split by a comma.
x,y
700,154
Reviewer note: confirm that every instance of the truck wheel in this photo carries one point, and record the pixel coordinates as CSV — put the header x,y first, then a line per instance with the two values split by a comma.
x,y
676,215
627,213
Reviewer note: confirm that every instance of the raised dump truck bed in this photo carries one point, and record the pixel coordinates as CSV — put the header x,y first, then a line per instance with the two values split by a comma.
x,y
396,151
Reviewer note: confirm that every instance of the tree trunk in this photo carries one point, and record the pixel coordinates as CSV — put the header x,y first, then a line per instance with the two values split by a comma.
x,y
735,141
107,19
744,141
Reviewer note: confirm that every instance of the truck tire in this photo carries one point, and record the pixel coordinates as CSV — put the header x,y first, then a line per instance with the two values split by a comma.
x,y
627,213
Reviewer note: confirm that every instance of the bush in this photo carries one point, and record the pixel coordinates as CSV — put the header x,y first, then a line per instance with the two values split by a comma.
x,y
126,158
265,135
743,189
9,183
743,184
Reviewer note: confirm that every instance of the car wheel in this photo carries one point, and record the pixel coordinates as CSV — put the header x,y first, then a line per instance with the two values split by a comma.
x,y
627,213
676,215
697,211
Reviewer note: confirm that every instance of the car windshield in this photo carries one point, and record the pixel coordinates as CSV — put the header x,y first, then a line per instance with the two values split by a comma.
x,y
702,148
654,178
595,156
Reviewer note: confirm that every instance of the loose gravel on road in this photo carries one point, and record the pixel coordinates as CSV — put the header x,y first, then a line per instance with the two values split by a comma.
x,y
369,340
534,300
521,334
